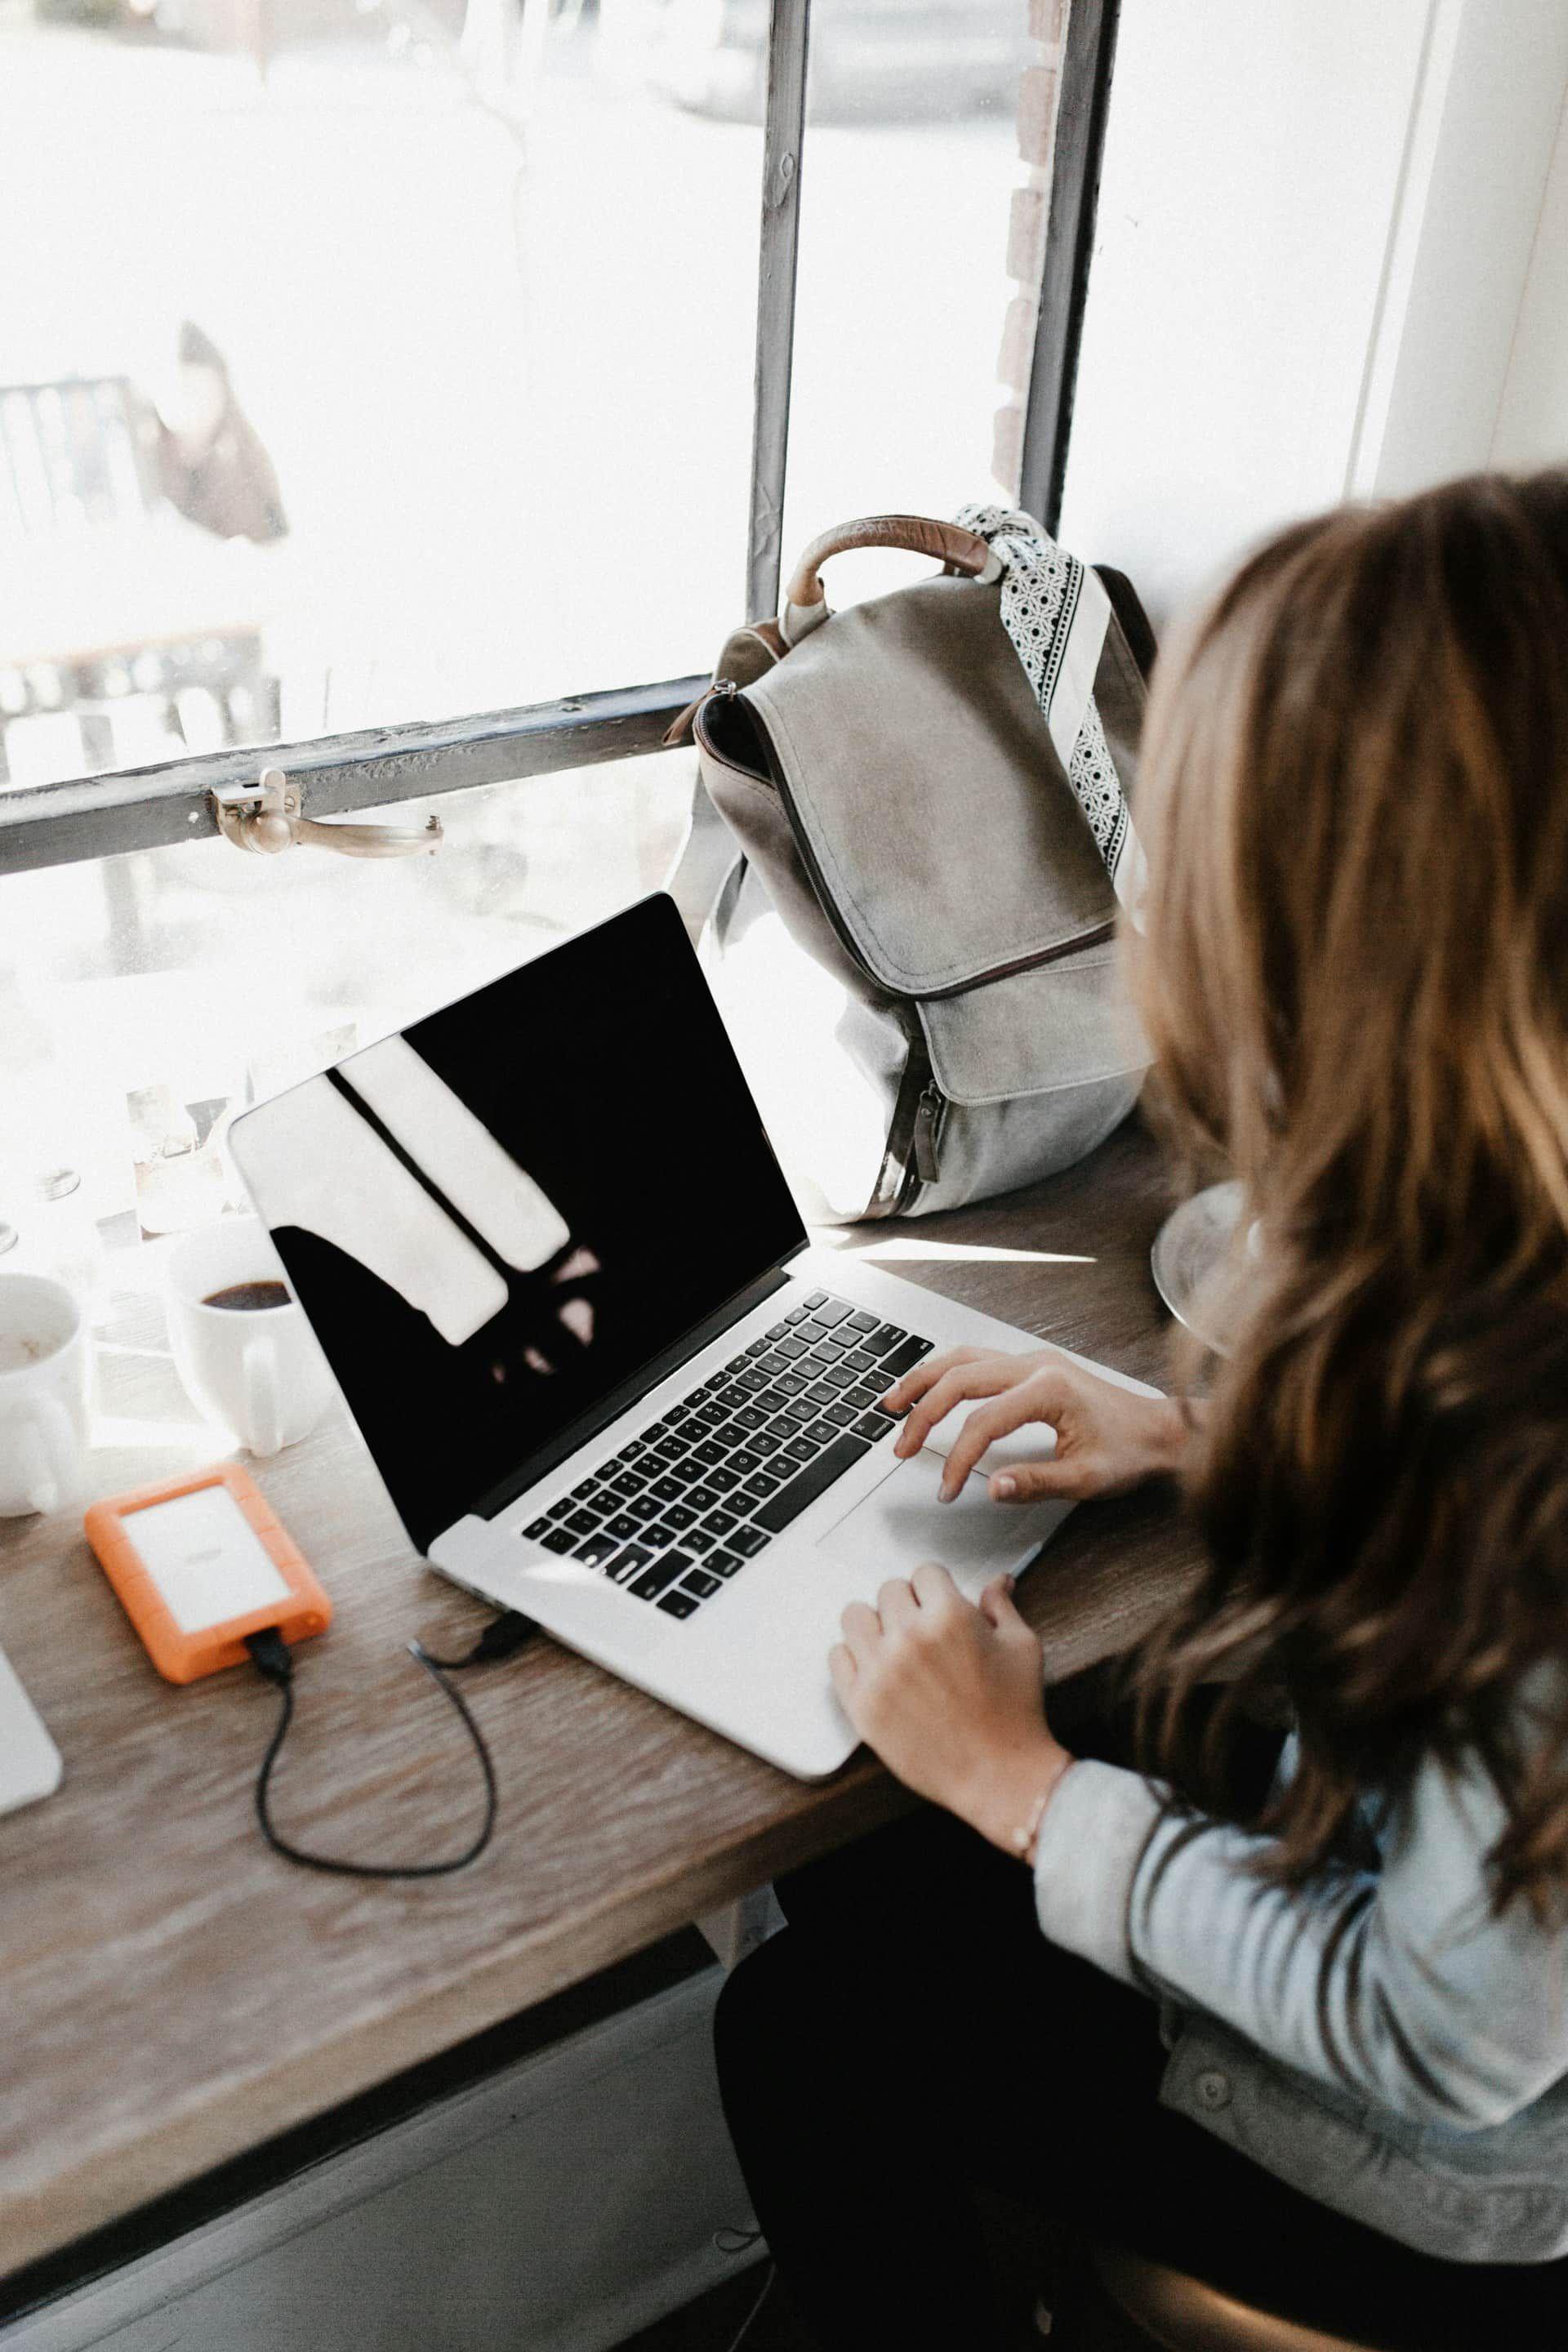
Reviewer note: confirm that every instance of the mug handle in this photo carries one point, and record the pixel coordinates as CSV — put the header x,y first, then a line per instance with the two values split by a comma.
x,y
263,1408
48,1447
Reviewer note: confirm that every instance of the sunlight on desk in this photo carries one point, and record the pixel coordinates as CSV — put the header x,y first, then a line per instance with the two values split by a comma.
x,y
924,1253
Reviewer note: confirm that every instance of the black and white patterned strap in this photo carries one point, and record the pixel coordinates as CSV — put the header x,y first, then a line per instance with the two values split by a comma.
x,y
1055,611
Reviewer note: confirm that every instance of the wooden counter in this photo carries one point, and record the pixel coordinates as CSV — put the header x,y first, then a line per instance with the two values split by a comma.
x,y
174,1994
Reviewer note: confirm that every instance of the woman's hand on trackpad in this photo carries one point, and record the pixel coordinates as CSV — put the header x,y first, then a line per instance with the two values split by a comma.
x,y
1107,1438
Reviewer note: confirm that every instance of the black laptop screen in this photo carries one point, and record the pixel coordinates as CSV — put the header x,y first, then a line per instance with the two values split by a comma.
x,y
496,1221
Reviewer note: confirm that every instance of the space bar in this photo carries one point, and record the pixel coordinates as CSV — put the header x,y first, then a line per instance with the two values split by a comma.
x,y
779,1510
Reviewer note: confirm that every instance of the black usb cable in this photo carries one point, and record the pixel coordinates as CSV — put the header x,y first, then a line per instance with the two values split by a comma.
x,y
273,1659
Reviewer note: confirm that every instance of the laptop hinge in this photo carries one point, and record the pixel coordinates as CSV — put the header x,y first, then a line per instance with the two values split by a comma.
x,y
620,1400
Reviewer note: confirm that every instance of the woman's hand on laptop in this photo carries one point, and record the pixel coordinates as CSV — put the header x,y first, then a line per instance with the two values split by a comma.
x,y
950,1698
1107,1438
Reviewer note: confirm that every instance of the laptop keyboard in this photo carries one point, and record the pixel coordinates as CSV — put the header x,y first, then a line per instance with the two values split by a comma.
x,y
694,1497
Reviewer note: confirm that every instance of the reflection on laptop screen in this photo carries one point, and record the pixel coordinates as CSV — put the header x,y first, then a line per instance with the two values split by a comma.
x,y
497,1219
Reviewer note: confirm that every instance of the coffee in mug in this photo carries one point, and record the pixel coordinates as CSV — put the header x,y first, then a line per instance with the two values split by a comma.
x,y
250,1298
247,1355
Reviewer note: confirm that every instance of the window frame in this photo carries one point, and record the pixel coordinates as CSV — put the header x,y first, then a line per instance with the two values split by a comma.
x,y
147,808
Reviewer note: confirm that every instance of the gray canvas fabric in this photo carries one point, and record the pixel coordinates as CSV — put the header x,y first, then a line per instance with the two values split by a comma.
x,y
909,834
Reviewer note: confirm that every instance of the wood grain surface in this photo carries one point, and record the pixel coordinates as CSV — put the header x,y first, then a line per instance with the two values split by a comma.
x,y
174,1994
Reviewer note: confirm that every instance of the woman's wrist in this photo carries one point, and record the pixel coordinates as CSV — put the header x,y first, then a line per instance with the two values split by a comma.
x,y
1008,1797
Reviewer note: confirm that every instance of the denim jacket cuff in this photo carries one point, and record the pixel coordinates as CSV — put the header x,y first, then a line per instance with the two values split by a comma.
x,y
1092,1841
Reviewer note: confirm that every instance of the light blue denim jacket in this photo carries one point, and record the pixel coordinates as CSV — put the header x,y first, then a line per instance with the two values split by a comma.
x,y
1423,2087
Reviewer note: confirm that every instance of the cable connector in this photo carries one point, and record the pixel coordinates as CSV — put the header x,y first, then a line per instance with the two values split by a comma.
x,y
501,1637
269,1656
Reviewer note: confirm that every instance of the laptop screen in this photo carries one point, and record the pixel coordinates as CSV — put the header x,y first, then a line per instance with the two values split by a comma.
x,y
499,1218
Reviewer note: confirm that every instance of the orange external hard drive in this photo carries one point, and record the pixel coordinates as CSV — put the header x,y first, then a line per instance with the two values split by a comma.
x,y
202,1563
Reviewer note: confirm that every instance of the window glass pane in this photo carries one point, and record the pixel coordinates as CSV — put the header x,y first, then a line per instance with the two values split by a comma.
x,y
907,232
144,997
359,361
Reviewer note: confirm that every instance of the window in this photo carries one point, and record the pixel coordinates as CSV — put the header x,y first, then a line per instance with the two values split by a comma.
x,y
408,386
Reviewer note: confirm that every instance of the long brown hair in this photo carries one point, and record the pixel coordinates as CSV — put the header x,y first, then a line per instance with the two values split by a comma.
x,y
1355,976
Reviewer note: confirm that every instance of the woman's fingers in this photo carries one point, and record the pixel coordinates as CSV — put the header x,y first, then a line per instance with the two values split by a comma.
x,y
902,1393
896,1604
841,1666
862,1630
1041,1399
1045,1482
934,1589
985,1376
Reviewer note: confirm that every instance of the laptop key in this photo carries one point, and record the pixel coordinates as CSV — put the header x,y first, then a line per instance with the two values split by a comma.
x,y
597,1550
759,1488
764,1442
723,1563
745,1461
699,1583
679,1604
758,1348
801,1449
658,1535
679,1514
628,1563
581,1523
830,1310
660,1575
797,1409
791,1384
777,1331
539,1531
822,1430
867,1393
642,1509
872,1425
817,1299
557,1539
840,1376
840,1415
864,1322
904,1360
780,1428
721,1524
698,1541
790,1347
702,1498
667,1489
749,1541
723,1481
780,1509
750,1418
883,1340
796,1317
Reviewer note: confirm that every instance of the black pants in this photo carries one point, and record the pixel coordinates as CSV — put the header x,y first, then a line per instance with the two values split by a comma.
x,y
911,2035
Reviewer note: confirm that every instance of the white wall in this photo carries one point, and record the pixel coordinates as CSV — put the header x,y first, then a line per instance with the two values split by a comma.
x,y
1533,423
1316,223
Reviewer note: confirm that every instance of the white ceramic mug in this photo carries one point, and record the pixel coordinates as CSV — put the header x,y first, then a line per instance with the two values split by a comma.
x,y
257,1369
45,1372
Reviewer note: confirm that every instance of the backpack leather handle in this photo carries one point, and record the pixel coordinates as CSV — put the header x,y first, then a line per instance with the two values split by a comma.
x,y
948,543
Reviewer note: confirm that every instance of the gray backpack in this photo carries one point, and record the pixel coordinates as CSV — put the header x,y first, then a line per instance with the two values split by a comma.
x,y
914,950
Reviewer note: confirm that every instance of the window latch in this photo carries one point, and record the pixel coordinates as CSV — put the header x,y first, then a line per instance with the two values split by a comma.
x,y
269,816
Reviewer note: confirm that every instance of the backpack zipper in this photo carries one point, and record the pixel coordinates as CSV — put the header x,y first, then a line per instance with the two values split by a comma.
x,y
930,1112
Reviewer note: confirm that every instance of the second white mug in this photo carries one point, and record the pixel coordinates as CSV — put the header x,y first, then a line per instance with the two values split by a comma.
x,y
258,1369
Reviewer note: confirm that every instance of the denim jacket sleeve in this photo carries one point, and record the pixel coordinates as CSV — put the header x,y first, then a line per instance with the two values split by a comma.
x,y
1397,1983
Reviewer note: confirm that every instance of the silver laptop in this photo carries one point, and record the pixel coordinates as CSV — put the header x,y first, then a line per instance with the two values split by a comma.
x,y
555,1267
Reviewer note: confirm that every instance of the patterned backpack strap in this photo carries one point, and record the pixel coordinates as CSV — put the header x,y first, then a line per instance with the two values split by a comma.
x,y
1055,611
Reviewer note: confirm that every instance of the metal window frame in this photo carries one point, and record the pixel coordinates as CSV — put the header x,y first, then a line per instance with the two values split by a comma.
x,y
148,808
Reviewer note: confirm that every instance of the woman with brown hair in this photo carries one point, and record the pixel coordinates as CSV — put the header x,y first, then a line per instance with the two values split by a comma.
x,y
1304,2031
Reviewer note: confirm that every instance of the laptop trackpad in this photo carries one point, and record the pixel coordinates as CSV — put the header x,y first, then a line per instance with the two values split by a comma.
x,y
900,1522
